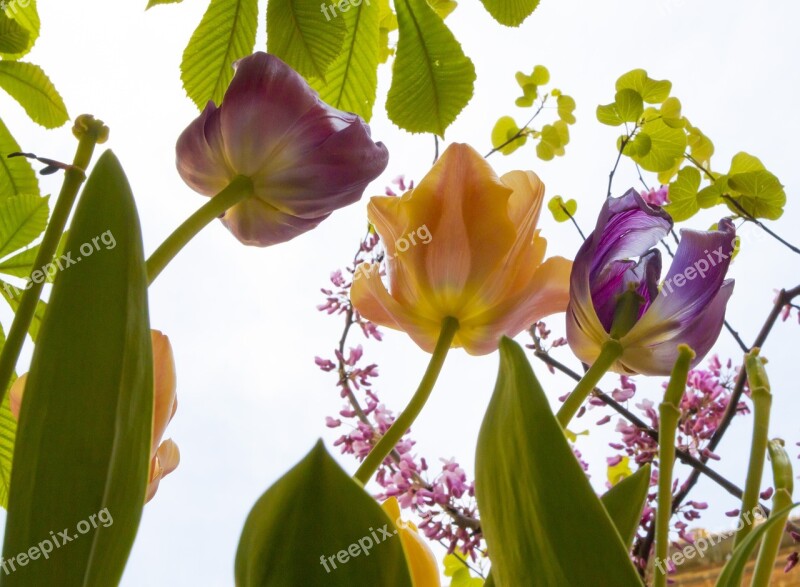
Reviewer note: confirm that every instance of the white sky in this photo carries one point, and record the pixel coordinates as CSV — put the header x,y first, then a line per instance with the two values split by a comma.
x,y
243,321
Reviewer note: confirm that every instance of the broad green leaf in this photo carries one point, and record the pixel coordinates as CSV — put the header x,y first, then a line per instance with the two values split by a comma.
x,y
638,146
711,195
298,528
667,145
510,12
306,35
25,15
226,33
86,419
629,105
8,432
671,113
14,38
553,138
16,174
432,79
561,210
652,91
13,295
760,194
388,23
504,130
733,570
683,202
152,3
22,219
34,91
443,8
607,114
532,492
566,107
743,162
21,264
701,147
352,80
455,567
624,503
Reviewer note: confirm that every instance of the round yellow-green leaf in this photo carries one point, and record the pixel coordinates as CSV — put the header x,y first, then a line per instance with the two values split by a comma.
x,y
561,210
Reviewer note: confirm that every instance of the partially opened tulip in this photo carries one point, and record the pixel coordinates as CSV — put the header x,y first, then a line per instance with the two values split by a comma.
x,y
421,561
164,456
302,157
688,307
482,263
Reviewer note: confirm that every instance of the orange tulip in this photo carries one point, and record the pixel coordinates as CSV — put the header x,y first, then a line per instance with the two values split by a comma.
x,y
463,244
420,558
164,456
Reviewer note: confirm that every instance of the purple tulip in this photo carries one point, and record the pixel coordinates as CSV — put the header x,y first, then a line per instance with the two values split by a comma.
x,y
687,308
305,158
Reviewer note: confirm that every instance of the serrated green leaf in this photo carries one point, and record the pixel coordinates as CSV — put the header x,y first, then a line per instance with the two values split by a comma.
x,y
8,433
226,33
86,416
152,3
299,519
760,193
532,492
510,12
22,219
26,16
629,105
16,174
562,211
624,503
667,146
13,295
607,114
432,79
14,38
306,35
388,23
652,91
352,80
683,191
21,264
504,130
566,107
29,86
671,113
443,8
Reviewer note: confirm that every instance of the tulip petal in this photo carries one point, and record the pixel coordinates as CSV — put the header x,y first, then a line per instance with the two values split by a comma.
x,y
15,395
201,164
421,561
257,223
700,334
164,385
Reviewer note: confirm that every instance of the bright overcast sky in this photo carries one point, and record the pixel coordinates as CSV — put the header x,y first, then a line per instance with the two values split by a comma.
x,y
243,321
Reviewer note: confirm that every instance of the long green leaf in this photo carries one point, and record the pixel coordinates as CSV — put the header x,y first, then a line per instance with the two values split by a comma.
x,y
13,295
625,501
352,80
83,443
306,34
8,433
542,521
14,38
510,12
22,219
26,16
16,174
226,33
432,79
28,85
299,527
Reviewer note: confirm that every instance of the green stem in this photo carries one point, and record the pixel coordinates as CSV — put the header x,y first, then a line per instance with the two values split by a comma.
x,y
669,415
610,352
762,403
90,132
239,189
404,421
771,543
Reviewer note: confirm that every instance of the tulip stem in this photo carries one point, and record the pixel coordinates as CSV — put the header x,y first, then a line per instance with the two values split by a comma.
x,y
404,421
669,416
239,189
609,353
90,132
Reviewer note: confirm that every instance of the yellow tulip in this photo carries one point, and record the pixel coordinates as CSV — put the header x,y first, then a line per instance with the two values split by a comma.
x,y
421,561
463,244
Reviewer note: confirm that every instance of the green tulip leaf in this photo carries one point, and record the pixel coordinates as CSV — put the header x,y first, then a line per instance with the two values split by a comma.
x,y
624,503
533,493
82,454
317,526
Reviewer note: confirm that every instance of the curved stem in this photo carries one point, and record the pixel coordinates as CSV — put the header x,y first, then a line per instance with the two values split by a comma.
x,y
404,421
239,189
90,132
669,415
610,352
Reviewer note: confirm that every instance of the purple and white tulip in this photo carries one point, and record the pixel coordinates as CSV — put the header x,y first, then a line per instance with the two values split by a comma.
x,y
305,158
687,308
